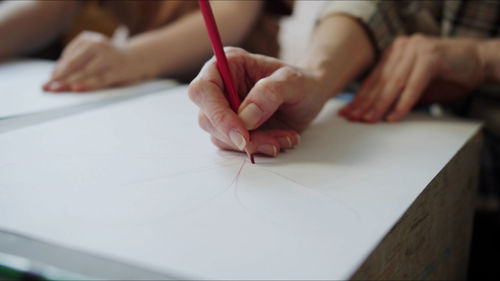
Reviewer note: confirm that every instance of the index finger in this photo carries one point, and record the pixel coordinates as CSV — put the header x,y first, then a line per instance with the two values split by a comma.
x,y
420,78
71,63
206,92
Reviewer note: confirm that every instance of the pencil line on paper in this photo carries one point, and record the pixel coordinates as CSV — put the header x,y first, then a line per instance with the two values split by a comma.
x,y
351,209
236,182
195,170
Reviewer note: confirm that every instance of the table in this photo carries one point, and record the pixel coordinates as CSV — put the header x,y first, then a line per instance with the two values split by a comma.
x,y
390,201
432,238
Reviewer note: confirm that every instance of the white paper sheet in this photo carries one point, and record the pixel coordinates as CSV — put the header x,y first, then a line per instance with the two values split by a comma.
x,y
140,182
21,89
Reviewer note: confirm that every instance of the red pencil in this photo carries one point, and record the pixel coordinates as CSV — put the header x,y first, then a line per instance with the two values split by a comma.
x,y
220,56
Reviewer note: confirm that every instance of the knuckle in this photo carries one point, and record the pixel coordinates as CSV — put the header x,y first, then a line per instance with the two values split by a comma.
x,y
291,72
83,35
218,117
194,91
271,89
205,69
230,51
92,37
212,62
86,35
235,54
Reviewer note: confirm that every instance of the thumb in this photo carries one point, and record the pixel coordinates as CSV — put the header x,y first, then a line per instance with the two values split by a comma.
x,y
267,95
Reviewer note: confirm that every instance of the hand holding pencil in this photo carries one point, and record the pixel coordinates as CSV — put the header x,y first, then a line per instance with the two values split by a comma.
x,y
274,111
277,101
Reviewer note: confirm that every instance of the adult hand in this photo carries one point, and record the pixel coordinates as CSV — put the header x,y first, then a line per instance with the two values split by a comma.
x,y
92,61
406,72
279,102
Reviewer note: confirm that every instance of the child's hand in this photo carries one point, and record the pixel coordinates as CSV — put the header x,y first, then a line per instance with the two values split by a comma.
x,y
91,61
411,68
279,102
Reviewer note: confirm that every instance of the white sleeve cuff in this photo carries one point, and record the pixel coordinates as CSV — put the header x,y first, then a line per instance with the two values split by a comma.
x,y
362,10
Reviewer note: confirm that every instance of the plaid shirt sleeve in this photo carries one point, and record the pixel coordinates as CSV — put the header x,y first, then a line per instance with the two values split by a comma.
x,y
385,20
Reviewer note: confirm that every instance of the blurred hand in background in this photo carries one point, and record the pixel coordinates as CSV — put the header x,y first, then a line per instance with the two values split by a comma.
x,y
415,67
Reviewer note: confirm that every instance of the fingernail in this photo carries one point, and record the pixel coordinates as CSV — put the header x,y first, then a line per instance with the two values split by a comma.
x,y
237,139
285,141
268,149
299,140
250,115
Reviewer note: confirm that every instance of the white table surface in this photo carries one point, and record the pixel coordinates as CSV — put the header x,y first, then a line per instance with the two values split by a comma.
x,y
139,182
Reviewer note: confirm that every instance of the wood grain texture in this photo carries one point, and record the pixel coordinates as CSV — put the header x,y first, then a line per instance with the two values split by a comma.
x,y
432,239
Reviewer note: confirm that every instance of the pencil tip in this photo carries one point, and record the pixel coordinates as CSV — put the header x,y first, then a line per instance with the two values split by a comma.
x,y
250,156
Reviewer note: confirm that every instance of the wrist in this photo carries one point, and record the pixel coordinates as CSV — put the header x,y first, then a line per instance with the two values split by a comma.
x,y
326,82
337,60
142,61
331,78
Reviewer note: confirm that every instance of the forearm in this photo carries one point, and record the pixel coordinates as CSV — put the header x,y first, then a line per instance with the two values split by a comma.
x,y
183,46
340,50
28,25
489,51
